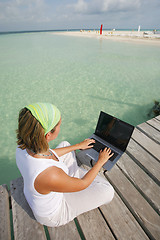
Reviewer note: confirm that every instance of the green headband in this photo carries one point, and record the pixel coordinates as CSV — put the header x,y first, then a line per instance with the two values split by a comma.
x,y
46,113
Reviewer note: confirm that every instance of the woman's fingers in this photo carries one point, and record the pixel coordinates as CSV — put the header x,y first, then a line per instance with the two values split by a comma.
x,y
108,150
105,155
87,143
90,142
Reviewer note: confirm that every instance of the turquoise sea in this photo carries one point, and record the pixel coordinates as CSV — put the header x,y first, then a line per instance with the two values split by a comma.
x,y
82,76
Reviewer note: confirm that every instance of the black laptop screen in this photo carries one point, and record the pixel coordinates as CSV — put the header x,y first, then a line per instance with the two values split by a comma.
x,y
114,131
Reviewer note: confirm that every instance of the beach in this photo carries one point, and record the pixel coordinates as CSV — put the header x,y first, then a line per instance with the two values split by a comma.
x,y
143,37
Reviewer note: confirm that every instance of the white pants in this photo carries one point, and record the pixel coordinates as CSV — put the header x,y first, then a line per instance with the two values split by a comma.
x,y
99,192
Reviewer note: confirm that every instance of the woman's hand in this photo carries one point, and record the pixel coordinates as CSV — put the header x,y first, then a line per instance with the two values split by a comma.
x,y
105,155
87,143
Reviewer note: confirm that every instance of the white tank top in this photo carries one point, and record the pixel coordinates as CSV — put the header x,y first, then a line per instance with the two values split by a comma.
x,y
43,205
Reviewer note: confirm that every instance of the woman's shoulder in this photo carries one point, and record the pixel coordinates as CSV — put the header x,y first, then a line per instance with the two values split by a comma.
x,y
19,150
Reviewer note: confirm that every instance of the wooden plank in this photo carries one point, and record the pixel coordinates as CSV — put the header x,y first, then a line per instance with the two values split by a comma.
x,y
150,131
121,221
147,143
149,163
5,230
24,224
141,180
155,123
158,117
94,226
68,231
140,208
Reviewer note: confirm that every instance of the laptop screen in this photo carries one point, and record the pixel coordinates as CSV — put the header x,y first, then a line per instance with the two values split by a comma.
x,y
114,131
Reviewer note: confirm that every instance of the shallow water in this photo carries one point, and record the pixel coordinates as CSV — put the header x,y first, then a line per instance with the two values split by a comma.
x,y
81,76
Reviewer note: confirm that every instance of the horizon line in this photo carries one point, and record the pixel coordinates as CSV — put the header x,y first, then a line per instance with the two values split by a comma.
x,y
73,29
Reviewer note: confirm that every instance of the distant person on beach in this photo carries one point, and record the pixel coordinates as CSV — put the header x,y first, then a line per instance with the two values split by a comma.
x,y
55,187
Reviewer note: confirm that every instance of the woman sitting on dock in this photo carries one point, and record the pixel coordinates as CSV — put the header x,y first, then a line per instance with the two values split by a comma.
x,y
56,189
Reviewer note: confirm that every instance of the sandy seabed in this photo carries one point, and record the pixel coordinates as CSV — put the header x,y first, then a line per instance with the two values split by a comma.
x,y
125,36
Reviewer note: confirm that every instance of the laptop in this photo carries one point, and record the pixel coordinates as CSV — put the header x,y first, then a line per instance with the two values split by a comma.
x,y
110,132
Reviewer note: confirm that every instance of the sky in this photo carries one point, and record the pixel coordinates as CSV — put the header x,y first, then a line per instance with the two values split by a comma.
x,y
23,15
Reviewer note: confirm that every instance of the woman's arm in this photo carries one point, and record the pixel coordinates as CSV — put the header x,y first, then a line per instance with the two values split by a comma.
x,y
56,180
82,145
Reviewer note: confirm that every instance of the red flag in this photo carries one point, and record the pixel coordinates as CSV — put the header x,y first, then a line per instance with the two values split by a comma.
x,y
101,29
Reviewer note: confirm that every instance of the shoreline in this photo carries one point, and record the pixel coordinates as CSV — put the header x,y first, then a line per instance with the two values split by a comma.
x,y
122,36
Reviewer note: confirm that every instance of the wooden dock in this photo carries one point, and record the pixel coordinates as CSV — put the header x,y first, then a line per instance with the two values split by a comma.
x,y
134,213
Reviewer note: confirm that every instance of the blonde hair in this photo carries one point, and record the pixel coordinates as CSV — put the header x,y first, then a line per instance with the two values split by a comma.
x,y
30,133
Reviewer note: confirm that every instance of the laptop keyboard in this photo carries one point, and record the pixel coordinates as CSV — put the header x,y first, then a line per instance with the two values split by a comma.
x,y
98,146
